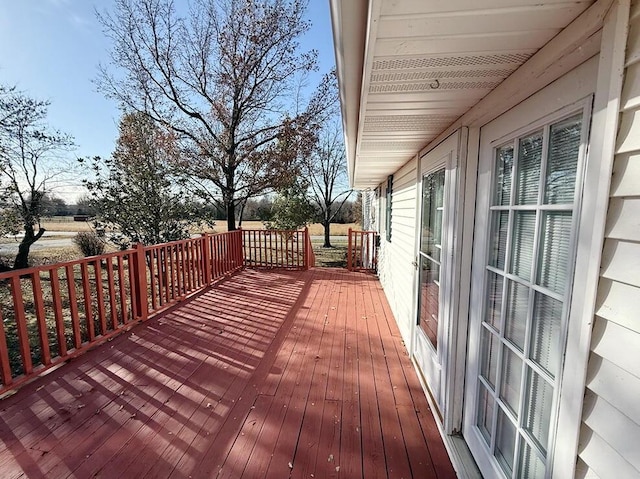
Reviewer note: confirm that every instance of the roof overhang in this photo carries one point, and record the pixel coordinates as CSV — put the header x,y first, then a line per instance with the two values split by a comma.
x,y
408,69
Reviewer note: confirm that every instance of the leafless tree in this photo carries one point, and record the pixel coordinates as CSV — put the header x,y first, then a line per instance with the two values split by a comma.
x,y
30,163
326,172
223,77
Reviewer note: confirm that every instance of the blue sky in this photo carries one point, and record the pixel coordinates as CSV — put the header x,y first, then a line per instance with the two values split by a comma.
x,y
51,49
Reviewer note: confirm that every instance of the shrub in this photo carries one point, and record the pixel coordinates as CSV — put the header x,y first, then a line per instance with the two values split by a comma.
x,y
89,243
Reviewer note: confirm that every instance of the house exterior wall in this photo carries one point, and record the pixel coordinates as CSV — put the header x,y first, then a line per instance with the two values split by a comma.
x,y
610,432
395,266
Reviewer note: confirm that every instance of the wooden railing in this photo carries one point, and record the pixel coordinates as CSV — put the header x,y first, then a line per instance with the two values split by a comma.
x,y
284,249
362,251
52,313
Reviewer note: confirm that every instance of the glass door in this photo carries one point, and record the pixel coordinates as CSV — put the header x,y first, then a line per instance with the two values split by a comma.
x,y
530,228
433,347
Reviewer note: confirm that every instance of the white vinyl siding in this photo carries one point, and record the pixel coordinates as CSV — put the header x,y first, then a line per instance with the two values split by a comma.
x,y
610,433
395,266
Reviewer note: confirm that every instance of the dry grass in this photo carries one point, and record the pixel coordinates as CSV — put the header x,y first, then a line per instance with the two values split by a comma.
x,y
64,223
335,257
67,224
315,229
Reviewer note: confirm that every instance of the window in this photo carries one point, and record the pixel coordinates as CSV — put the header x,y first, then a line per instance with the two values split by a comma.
x,y
528,272
388,211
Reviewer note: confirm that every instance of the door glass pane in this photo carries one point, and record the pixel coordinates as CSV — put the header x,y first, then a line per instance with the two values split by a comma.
x,y
538,408
524,231
510,381
494,299
517,309
505,442
504,168
554,254
499,226
489,365
564,148
531,467
429,298
430,248
521,321
545,332
432,210
529,159
485,414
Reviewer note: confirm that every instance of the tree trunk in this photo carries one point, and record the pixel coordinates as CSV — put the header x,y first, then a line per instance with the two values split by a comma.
x,y
327,234
231,215
30,237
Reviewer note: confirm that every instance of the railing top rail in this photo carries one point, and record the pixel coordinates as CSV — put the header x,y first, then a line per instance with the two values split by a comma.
x,y
75,262
90,259
273,231
187,240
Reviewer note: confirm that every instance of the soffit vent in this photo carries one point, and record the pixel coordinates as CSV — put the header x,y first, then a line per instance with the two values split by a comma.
x,y
450,61
409,76
406,122
421,87
390,146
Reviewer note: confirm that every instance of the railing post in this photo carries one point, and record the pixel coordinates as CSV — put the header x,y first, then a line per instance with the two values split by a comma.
x,y
349,265
140,281
307,248
206,253
239,257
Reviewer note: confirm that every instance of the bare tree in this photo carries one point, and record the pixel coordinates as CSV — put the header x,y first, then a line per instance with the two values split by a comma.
x,y
326,171
29,163
224,80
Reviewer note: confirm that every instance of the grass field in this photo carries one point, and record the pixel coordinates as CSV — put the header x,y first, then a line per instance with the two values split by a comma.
x,y
67,224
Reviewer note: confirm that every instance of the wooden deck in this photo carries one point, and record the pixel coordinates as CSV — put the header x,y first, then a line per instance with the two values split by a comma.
x,y
269,374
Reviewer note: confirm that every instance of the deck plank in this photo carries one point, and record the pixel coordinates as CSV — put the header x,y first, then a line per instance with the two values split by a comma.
x,y
268,374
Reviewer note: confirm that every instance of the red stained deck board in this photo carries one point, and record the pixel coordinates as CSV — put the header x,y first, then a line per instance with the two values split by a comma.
x,y
173,432
283,380
265,371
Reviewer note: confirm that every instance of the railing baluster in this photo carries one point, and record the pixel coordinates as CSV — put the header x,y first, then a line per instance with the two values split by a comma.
x,y
40,318
124,311
152,278
178,271
102,313
57,311
88,309
166,270
21,323
172,269
160,272
5,365
73,306
111,283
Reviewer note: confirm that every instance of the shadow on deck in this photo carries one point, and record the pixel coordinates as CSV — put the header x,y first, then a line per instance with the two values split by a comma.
x,y
268,374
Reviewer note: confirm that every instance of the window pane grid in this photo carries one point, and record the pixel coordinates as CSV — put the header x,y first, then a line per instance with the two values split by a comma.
x,y
550,207
532,259
528,284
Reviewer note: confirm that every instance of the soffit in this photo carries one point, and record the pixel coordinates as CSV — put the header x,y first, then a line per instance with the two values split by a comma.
x,y
426,63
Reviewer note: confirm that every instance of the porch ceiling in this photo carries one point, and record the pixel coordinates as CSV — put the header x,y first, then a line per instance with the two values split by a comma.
x,y
409,68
